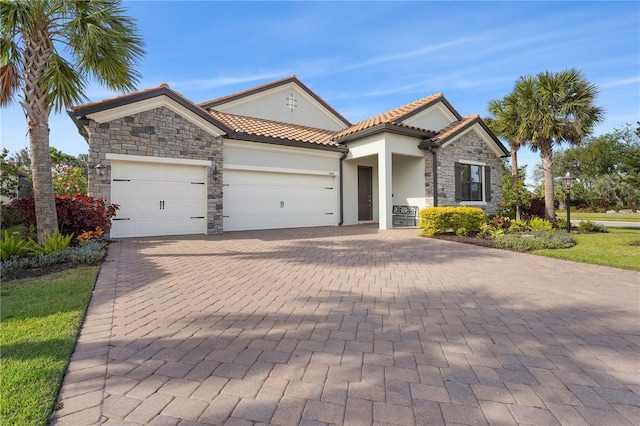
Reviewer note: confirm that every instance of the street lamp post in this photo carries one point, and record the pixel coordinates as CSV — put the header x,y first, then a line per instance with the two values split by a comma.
x,y
567,180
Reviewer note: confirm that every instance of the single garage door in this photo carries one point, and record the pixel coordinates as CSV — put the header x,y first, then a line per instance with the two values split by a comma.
x,y
158,199
266,200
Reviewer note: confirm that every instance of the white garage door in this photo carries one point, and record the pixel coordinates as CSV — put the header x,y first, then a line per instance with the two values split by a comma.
x,y
265,200
158,199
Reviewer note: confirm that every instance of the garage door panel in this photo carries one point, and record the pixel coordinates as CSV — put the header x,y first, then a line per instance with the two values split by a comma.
x,y
158,199
265,200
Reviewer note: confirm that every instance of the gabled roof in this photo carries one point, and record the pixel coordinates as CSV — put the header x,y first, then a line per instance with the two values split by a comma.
x,y
457,127
292,79
268,131
397,115
261,130
79,113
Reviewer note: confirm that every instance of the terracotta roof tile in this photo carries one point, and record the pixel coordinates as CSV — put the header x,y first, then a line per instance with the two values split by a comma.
x,y
454,128
274,129
393,116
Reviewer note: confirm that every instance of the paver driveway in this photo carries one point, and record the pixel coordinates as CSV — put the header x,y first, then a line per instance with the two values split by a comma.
x,y
352,325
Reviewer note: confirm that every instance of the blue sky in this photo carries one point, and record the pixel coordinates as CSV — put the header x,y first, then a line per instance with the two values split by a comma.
x,y
365,58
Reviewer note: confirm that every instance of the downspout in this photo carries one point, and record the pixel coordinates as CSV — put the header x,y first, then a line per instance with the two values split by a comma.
x,y
341,187
432,150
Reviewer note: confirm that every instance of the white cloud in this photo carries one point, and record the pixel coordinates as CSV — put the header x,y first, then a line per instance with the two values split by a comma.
x,y
621,82
221,81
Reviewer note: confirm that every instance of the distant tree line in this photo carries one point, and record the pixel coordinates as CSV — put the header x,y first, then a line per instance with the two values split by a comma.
x,y
606,168
69,173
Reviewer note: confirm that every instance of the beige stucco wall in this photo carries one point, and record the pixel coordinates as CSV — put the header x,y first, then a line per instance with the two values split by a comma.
x,y
435,118
272,105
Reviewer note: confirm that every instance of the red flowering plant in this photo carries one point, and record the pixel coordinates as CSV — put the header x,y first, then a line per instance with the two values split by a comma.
x,y
76,213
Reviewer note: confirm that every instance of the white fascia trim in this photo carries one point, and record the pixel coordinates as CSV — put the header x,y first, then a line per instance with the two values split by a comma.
x,y
474,163
158,160
261,146
153,103
242,167
483,135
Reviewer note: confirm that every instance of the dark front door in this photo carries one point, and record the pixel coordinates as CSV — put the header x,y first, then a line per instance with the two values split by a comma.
x,y
365,186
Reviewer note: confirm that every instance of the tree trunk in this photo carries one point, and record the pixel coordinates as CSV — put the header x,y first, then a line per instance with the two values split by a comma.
x,y
43,196
35,103
514,161
546,154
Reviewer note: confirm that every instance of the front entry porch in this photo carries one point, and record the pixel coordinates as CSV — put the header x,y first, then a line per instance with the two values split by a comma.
x,y
382,172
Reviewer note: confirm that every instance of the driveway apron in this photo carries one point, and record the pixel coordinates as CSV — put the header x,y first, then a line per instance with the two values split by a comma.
x,y
355,326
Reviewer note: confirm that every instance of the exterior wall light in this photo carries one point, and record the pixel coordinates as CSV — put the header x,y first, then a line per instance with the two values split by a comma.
x,y
100,169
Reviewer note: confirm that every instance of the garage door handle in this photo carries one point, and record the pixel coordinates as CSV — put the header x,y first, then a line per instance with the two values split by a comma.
x,y
282,204
162,205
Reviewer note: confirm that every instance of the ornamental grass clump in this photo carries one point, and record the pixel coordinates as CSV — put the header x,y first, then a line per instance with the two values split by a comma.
x,y
535,240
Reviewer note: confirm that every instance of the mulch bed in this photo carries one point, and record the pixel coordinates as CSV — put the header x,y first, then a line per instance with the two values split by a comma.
x,y
22,273
471,239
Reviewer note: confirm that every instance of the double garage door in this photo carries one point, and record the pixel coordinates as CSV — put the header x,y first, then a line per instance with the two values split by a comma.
x,y
158,199
272,200
169,199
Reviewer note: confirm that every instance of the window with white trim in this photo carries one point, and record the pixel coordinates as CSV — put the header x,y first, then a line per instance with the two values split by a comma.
x,y
473,182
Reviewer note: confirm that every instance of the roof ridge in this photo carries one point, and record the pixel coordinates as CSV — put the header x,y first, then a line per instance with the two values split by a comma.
x,y
125,95
241,93
394,115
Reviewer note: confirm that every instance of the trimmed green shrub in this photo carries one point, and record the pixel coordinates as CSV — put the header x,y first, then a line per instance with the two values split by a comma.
x,y
539,224
591,226
535,240
436,220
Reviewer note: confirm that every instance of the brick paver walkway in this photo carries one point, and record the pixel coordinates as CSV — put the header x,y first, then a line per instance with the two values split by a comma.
x,y
352,326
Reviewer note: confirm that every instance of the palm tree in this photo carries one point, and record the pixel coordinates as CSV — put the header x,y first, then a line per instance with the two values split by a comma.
x,y
554,108
504,122
98,41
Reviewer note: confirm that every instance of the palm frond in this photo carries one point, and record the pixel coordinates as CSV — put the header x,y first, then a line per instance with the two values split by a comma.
x,y
9,83
64,85
106,45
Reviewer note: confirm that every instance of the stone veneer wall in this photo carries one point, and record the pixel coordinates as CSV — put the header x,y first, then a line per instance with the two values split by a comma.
x,y
469,147
157,133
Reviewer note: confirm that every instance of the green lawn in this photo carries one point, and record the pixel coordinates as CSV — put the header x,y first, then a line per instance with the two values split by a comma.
x,y
39,324
613,217
608,249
